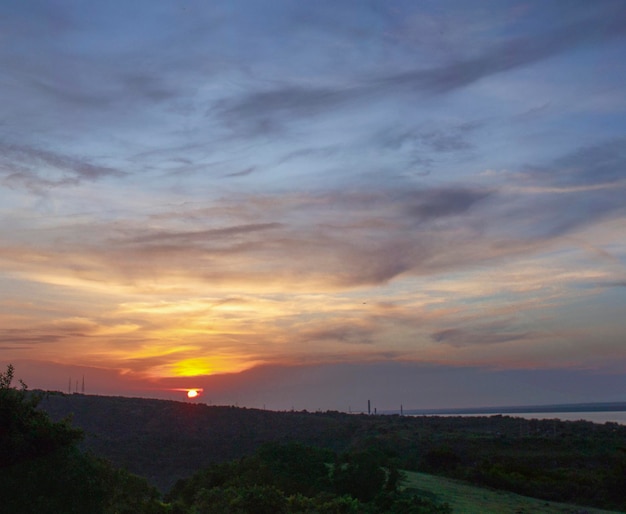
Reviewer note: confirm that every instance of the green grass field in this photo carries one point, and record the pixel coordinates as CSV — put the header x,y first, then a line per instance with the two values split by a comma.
x,y
464,498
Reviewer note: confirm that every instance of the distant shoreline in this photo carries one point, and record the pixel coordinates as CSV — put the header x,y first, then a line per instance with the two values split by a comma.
x,y
517,409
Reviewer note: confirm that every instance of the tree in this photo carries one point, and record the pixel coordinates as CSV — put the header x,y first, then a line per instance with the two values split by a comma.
x,y
360,475
45,473
26,432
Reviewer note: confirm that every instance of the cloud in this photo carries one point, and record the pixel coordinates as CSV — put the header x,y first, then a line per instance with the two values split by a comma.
x,y
434,204
607,283
442,142
28,338
592,28
148,86
324,240
242,173
603,163
299,100
580,188
358,226
351,332
37,170
108,93
70,94
425,146
266,110
318,240
187,238
464,337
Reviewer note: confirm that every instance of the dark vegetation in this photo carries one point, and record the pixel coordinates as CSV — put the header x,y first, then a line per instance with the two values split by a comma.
x,y
293,478
42,471
226,459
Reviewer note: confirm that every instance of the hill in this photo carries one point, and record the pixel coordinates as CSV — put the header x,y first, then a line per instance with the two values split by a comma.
x,y
575,462
166,440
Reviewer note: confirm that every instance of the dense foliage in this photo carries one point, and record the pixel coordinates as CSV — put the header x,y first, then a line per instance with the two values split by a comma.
x,y
42,471
281,479
26,433
575,462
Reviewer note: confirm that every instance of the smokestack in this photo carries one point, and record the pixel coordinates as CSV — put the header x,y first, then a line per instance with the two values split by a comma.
x,y
369,407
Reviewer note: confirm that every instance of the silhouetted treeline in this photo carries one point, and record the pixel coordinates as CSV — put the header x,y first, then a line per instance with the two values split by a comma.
x,y
579,462
42,471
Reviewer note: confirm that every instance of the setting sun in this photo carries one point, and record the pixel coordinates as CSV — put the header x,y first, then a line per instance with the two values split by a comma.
x,y
192,393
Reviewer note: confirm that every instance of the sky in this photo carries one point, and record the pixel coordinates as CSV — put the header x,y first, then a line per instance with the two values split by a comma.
x,y
314,204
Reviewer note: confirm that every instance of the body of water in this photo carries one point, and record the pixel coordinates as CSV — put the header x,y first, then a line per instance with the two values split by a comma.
x,y
594,416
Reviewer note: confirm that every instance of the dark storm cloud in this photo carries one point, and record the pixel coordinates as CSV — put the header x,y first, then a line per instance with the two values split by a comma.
x,y
269,107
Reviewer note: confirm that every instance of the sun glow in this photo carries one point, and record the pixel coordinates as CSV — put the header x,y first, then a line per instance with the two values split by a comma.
x,y
193,367
208,366
192,393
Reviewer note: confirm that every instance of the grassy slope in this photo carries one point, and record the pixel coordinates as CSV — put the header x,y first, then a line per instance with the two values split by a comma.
x,y
467,499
